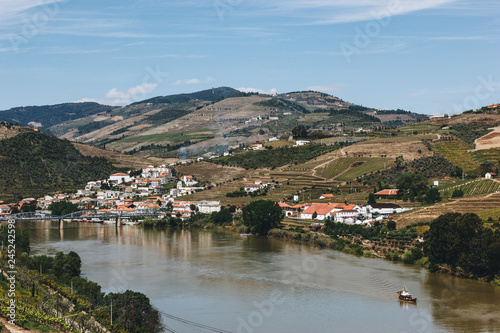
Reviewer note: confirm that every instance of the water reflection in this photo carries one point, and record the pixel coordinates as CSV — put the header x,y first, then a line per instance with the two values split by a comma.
x,y
217,278
464,305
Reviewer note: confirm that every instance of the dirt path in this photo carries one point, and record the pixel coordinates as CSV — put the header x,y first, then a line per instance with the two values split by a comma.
x,y
13,328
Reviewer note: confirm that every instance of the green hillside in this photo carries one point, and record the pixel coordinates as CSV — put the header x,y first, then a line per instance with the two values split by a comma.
x,y
211,95
35,164
50,115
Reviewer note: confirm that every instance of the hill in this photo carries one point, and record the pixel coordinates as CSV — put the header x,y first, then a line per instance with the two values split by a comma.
x,y
47,116
202,123
35,164
212,95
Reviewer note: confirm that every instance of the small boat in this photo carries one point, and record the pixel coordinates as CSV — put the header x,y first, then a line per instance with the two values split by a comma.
x,y
405,295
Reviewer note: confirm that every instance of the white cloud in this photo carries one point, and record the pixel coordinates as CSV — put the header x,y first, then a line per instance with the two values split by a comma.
x,y
260,91
83,100
193,81
11,11
341,11
327,88
134,94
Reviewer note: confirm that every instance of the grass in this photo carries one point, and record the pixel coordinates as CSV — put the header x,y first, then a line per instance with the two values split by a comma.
x,y
279,144
456,152
492,154
493,213
420,128
175,137
308,165
371,165
339,165
483,186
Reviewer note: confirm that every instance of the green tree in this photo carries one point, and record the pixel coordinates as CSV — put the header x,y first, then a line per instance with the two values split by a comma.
x,y
432,196
299,131
261,216
22,240
413,183
67,266
134,310
63,207
371,199
457,193
449,237
391,225
223,217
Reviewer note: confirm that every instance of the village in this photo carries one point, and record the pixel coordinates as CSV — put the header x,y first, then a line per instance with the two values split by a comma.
x,y
143,191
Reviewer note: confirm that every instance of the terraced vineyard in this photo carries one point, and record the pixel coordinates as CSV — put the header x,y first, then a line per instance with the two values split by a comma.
x,y
370,165
338,166
456,152
493,213
359,166
492,154
476,204
478,187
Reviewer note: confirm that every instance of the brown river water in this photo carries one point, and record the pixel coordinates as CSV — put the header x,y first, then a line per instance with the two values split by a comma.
x,y
252,284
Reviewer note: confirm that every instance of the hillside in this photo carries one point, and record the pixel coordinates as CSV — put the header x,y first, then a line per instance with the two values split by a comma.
x,y
202,123
211,95
47,116
35,164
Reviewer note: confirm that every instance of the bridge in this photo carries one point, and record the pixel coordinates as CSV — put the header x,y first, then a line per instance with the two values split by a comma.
x,y
82,216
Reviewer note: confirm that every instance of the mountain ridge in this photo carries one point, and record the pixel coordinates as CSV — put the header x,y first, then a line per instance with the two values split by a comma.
x,y
202,121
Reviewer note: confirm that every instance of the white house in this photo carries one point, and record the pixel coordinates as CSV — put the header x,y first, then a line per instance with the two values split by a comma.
x,y
302,142
118,178
383,209
490,175
189,181
257,146
322,211
208,207
345,214
252,188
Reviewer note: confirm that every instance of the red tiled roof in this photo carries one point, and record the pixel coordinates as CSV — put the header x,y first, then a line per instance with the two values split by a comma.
x,y
387,192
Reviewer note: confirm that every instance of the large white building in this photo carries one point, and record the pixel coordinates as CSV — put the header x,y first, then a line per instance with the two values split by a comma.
x,y
118,178
208,207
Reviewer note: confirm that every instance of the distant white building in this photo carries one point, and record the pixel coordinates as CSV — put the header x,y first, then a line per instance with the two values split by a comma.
x,y
208,207
118,178
189,181
302,142
490,175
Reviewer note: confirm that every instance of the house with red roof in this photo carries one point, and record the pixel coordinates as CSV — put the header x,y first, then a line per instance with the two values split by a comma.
x,y
387,193
120,177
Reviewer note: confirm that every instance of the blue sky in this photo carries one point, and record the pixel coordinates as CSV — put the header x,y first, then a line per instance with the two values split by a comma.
x,y
431,57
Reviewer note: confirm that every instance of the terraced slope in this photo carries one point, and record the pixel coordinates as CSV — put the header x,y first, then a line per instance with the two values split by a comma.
x,y
474,204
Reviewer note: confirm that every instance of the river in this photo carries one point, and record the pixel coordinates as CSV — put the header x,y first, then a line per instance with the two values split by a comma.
x,y
255,284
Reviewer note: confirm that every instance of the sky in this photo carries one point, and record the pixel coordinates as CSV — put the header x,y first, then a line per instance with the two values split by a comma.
x,y
433,57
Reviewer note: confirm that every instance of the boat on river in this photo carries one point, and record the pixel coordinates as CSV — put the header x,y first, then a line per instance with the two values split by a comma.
x,y
405,295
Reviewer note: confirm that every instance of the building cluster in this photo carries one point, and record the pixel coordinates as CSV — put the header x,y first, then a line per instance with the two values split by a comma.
x,y
122,193
259,185
342,212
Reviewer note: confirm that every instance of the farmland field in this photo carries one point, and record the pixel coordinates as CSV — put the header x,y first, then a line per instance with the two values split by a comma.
x,y
456,152
493,213
338,166
370,165
492,154
176,137
473,188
